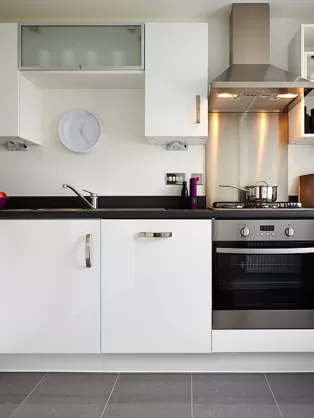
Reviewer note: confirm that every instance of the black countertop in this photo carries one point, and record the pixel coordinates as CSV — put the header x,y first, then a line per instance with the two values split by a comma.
x,y
134,207
151,213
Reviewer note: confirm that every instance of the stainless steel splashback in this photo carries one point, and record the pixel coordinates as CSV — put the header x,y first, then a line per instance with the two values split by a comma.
x,y
243,149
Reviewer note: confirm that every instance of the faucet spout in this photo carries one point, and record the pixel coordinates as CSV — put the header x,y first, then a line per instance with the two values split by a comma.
x,y
92,205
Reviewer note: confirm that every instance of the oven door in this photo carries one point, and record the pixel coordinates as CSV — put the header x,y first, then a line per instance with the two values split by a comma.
x,y
263,285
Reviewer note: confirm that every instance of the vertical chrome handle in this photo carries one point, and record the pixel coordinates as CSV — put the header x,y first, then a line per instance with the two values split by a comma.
x,y
88,242
198,109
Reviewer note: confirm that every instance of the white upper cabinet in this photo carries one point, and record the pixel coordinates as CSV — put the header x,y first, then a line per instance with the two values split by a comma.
x,y
156,286
176,82
81,47
50,294
83,56
301,62
20,102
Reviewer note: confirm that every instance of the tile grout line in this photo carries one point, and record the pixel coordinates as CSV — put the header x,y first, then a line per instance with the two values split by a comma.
x,y
28,395
273,395
192,402
114,385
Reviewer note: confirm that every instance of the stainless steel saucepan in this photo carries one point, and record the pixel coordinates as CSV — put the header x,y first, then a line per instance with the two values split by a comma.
x,y
265,193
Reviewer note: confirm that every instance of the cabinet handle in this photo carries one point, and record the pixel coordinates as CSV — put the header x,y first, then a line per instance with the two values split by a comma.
x,y
198,109
88,242
155,234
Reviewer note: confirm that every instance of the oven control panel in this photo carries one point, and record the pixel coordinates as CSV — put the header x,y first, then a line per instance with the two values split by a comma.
x,y
263,230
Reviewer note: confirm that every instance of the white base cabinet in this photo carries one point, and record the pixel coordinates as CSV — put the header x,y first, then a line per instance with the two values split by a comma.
x,y
50,299
156,291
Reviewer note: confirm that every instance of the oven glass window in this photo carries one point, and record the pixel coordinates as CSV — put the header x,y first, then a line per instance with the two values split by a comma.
x,y
269,281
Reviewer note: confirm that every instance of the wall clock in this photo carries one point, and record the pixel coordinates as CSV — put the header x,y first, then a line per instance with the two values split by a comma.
x,y
79,130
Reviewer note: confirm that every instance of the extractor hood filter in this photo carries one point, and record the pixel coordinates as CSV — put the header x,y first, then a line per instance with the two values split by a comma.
x,y
251,84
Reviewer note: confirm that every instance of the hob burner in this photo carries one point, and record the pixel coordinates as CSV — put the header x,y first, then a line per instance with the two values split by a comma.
x,y
256,205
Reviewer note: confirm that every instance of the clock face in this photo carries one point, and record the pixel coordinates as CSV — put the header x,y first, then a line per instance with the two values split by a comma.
x,y
79,130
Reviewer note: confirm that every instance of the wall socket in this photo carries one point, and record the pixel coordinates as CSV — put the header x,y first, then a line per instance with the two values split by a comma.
x,y
175,178
199,177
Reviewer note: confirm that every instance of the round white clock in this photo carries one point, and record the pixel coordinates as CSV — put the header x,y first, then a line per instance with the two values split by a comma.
x,y
79,130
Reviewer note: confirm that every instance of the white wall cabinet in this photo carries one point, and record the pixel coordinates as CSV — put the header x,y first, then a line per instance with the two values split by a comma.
x,y
83,56
176,77
82,47
20,101
156,292
50,299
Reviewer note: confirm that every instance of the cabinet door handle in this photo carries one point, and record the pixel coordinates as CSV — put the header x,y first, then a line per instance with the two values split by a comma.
x,y
198,109
155,234
88,242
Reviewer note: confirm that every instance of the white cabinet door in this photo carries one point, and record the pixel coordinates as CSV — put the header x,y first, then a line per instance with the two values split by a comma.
x,y
20,100
156,292
9,80
176,72
50,300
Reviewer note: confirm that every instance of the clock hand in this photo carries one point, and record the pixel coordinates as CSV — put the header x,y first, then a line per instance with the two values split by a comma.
x,y
82,132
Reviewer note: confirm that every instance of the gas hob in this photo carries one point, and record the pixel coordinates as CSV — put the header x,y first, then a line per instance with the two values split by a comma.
x,y
257,206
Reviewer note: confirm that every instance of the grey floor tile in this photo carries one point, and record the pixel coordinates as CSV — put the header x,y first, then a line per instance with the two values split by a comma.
x,y
151,396
294,393
69,395
14,387
233,396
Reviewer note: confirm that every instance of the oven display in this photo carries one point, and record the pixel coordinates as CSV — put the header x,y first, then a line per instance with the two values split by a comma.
x,y
267,228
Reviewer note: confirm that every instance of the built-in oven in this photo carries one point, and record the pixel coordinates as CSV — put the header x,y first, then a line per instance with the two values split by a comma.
x,y
263,274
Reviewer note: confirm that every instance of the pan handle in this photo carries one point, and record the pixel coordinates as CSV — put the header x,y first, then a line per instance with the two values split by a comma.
x,y
234,187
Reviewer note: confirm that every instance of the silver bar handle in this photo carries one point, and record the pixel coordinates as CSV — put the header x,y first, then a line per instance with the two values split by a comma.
x,y
155,234
307,250
88,243
198,108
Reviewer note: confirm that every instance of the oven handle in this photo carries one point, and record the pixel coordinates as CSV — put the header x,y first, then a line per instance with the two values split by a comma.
x,y
307,250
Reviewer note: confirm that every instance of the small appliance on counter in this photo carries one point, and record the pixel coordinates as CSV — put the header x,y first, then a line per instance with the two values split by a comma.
x,y
307,190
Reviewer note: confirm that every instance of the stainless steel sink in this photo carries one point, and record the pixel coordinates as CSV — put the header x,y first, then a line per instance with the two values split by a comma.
x,y
48,210
89,210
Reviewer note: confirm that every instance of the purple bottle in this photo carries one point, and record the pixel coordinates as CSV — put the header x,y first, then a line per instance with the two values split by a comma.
x,y
193,193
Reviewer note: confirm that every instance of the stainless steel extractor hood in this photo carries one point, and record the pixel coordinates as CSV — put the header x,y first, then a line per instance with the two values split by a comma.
x,y
251,83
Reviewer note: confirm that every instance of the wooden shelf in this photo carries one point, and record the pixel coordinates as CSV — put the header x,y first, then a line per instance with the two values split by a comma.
x,y
86,79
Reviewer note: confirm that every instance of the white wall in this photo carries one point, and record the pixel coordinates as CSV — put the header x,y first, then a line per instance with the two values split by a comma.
x,y
123,163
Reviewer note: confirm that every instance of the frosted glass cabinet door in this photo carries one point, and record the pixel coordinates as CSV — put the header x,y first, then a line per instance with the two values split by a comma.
x,y
93,47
